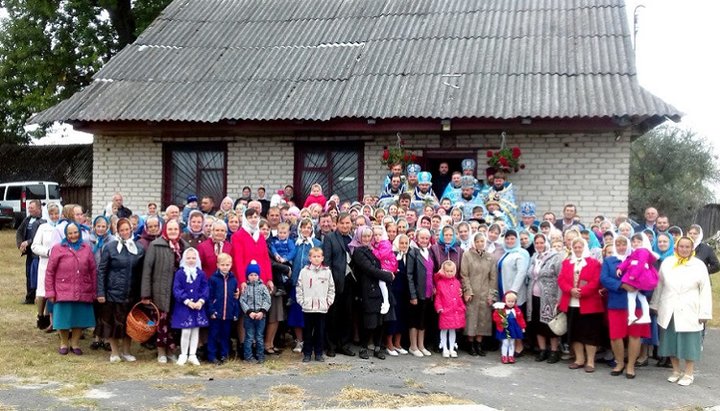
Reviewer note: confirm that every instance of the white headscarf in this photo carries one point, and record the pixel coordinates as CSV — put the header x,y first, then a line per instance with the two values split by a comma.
x,y
627,250
190,272
253,231
129,244
301,239
579,262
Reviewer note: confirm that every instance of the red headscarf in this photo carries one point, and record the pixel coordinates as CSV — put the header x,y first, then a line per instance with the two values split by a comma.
x,y
174,244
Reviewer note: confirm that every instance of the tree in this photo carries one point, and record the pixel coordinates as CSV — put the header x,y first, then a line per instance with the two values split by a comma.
x,y
50,49
671,169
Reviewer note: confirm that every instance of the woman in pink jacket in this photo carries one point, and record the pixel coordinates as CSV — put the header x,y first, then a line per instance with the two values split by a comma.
x,y
71,284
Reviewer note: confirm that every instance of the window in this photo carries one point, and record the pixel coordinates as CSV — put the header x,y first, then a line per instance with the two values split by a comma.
x,y
13,193
53,191
35,192
199,169
338,170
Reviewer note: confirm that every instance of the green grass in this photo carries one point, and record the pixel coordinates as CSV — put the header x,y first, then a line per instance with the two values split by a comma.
x,y
31,355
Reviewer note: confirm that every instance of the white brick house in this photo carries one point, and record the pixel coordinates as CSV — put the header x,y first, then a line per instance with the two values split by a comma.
x,y
214,96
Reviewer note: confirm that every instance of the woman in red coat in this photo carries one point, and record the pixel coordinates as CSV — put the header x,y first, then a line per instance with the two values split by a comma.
x,y
579,282
71,284
249,244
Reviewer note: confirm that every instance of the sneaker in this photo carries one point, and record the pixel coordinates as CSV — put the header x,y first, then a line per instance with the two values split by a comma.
x,y
392,353
172,358
453,354
182,360
298,346
675,377
504,359
384,308
193,359
306,358
319,358
128,358
378,353
425,352
162,359
364,354
511,360
446,353
115,359
401,351
686,380
416,353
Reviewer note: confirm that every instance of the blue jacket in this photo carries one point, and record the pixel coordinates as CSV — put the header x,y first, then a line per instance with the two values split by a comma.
x,y
617,296
283,248
302,259
222,302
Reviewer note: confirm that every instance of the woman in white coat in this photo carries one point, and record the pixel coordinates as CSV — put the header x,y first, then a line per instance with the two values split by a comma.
x,y
683,301
42,243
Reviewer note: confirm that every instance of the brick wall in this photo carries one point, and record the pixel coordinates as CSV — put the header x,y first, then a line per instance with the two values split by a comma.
x,y
129,165
589,170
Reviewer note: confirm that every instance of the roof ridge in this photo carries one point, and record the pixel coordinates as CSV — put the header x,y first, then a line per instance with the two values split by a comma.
x,y
383,14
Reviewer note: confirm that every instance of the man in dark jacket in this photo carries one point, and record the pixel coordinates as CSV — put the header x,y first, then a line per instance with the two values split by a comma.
x,y
337,256
122,211
23,239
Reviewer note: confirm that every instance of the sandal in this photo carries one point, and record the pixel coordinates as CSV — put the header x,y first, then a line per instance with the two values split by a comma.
x,y
575,366
270,351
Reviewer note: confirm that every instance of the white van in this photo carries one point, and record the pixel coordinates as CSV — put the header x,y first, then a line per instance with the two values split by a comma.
x,y
18,194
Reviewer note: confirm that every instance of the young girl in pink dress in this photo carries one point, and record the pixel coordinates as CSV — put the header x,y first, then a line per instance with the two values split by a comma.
x,y
382,249
638,271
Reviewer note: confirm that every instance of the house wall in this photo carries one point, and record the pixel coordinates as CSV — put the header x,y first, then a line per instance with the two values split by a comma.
x,y
589,170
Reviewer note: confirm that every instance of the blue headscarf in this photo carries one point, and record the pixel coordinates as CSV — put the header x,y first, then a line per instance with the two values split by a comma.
x,y
76,245
100,240
452,243
593,241
669,252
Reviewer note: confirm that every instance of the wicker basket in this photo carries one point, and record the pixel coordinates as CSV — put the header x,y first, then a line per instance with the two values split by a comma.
x,y
140,327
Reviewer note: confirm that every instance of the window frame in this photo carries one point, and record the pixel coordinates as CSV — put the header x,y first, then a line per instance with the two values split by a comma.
x,y
167,165
301,148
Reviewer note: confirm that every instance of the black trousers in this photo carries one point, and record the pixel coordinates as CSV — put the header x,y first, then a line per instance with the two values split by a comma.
x,y
30,292
340,316
314,333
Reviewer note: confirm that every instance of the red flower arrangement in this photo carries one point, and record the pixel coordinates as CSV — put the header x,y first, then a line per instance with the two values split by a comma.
x,y
507,159
398,154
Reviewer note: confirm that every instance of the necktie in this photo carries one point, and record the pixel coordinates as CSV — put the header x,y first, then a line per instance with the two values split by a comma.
x,y
218,248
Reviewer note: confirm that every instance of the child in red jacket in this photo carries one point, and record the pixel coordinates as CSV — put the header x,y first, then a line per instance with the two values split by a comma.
x,y
449,306
316,197
510,325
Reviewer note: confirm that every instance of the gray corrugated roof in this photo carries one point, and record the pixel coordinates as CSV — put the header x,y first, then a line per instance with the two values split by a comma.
x,y
214,60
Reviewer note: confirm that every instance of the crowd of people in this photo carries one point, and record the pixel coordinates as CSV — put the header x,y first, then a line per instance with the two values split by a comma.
x,y
402,273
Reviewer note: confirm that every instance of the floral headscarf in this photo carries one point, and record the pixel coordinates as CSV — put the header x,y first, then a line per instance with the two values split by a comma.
x,y
173,243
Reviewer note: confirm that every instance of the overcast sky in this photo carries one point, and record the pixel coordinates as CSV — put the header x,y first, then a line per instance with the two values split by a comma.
x,y
677,60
